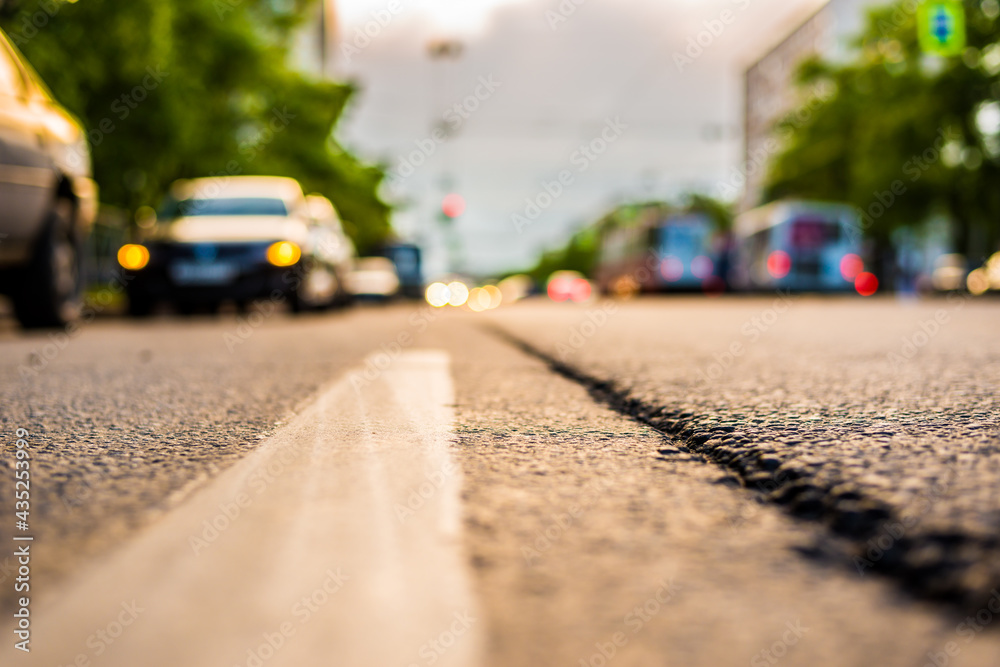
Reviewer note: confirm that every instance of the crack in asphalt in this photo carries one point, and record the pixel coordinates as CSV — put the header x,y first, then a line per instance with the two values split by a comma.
x,y
943,567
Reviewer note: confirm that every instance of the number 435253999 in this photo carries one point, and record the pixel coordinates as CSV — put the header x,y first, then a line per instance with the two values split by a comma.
x,y
22,485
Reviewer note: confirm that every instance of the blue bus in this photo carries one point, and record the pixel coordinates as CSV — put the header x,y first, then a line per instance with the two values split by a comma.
x,y
798,245
678,252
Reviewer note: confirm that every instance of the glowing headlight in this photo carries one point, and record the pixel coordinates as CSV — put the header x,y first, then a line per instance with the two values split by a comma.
x,y
459,294
283,253
437,295
133,256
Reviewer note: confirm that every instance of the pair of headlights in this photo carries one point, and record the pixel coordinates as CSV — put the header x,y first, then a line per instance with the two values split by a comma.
x,y
135,257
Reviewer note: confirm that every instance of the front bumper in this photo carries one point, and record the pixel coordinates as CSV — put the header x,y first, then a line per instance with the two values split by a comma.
x,y
205,273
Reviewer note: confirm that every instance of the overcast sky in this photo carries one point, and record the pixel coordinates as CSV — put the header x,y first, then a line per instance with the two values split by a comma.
x,y
562,73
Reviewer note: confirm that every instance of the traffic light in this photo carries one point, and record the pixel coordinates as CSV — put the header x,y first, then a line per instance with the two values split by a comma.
x,y
453,206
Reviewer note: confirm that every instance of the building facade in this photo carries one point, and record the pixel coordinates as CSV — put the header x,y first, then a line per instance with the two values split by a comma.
x,y
769,84
315,46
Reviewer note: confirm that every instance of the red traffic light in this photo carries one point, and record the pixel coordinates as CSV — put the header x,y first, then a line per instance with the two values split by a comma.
x,y
453,205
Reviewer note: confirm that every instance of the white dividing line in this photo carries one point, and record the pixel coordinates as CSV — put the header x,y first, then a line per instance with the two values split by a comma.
x,y
308,561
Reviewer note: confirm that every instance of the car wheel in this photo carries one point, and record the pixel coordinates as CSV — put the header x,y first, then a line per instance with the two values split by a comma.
x,y
185,308
49,294
295,303
139,306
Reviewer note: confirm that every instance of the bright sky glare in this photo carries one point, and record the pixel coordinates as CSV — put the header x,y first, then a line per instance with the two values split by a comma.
x,y
560,76
460,17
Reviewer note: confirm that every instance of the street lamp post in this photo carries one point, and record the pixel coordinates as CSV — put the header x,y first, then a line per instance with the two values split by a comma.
x,y
452,204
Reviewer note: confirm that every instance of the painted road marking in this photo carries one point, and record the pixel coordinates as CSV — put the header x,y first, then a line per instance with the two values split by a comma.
x,y
334,543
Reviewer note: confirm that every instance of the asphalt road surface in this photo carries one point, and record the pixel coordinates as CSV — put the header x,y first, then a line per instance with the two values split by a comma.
x,y
776,480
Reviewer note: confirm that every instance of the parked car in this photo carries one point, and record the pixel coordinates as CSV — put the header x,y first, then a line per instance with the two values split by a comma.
x,y
408,260
986,278
374,278
950,273
240,238
331,243
48,197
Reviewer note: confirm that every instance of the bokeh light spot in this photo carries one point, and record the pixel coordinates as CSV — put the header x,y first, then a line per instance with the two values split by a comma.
x,y
453,205
133,257
458,294
671,268
580,290
702,267
495,295
851,266
438,295
866,283
779,264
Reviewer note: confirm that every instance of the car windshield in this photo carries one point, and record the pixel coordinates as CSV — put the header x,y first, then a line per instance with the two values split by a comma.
x,y
224,206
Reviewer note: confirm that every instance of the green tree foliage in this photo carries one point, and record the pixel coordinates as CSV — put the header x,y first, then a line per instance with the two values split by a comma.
x,y
580,254
721,213
173,89
901,136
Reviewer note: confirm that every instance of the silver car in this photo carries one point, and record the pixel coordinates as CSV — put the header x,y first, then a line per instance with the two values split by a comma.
x,y
47,197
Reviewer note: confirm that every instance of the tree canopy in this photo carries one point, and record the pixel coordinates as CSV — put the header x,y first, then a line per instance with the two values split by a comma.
x,y
172,89
904,136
